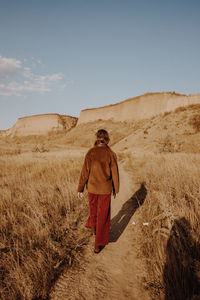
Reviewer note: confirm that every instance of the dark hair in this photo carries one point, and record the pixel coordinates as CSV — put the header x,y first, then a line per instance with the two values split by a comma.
x,y
103,135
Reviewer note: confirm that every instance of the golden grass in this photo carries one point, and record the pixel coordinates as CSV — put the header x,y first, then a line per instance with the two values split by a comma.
x,y
188,107
84,134
79,136
41,218
170,245
41,223
195,122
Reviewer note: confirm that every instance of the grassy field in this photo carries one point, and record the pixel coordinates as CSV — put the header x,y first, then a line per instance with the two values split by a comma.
x,y
41,223
170,244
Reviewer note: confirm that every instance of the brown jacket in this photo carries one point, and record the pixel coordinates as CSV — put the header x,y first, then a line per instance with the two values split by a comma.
x,y
100,171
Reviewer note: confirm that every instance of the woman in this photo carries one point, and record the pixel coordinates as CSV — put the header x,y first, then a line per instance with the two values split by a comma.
x,y
101,177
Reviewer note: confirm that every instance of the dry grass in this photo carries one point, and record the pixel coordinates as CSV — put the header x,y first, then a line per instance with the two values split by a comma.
x,y
187,108
170,245
170,144
171,132
79,136
84,134
195,122
40,224
161,133
41,218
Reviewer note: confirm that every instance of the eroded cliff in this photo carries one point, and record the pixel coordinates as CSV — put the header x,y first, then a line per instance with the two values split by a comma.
x,y
41,125
133,109
141,107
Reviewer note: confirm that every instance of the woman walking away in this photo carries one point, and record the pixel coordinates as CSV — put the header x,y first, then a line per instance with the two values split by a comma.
x,y
101,177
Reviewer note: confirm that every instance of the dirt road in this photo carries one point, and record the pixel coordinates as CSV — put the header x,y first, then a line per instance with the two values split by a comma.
x,y
116,272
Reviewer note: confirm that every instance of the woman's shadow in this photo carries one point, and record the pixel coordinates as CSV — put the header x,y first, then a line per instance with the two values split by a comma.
x,y
182,268
121,220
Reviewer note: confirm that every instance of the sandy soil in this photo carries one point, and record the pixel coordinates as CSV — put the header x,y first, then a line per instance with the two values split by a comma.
x,y
116,272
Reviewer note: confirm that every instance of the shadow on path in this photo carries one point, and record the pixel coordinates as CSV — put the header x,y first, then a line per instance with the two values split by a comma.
x,y
121,220
182,268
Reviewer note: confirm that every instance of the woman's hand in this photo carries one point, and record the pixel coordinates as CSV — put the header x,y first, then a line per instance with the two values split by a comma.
x,y
114,194
80,196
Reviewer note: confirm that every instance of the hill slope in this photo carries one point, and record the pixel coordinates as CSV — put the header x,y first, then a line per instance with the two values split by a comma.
x,y
176,131
138,108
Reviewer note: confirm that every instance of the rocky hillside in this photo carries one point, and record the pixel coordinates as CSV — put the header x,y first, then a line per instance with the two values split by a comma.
x,y
119,119
177,131
41,125
138,108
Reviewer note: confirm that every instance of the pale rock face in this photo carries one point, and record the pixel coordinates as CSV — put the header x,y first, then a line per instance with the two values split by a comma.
x,y
133,109
41,125
141,107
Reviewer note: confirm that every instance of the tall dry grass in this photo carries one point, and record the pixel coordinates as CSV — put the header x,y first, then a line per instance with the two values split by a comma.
x,y
40,224
83,135
79,136
195,122
170,245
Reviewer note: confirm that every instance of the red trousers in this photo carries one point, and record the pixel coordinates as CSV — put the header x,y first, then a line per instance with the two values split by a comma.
x,y
99,217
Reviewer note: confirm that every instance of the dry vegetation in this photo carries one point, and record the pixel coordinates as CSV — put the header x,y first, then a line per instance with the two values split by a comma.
x,y
170,245
80,136
83,135
176,131
40,224
195,122
41,218
171,132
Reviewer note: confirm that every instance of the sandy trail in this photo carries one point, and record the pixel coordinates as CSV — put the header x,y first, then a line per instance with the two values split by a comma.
x,y
114,273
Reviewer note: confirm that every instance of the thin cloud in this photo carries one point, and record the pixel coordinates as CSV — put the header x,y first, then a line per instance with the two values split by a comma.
x,y
19,80
9,67
51,78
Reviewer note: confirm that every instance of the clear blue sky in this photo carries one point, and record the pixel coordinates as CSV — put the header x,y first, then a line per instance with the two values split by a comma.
x,y
67,55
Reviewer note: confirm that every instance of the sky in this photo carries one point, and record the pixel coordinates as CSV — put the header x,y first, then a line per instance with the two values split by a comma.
x,y
67,55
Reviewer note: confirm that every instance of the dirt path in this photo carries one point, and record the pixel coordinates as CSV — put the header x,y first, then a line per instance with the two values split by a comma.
x,y
116,272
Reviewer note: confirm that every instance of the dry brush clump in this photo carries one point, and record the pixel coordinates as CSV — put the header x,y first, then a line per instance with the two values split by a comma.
x,y
169,144
170,245
13,151
40,148
195,122
191,107
40,224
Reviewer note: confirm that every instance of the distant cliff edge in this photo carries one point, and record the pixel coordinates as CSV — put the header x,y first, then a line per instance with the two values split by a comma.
x,y
141,107
133,109
40,125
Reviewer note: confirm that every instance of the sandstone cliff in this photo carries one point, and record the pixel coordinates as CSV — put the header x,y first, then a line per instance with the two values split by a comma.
x,y
41,124
133,109
141,107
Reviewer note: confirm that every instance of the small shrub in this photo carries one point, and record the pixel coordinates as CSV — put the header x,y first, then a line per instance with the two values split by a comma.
x,y
166,113
40,148
180,109
194,107
195,122
168,144
11,152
